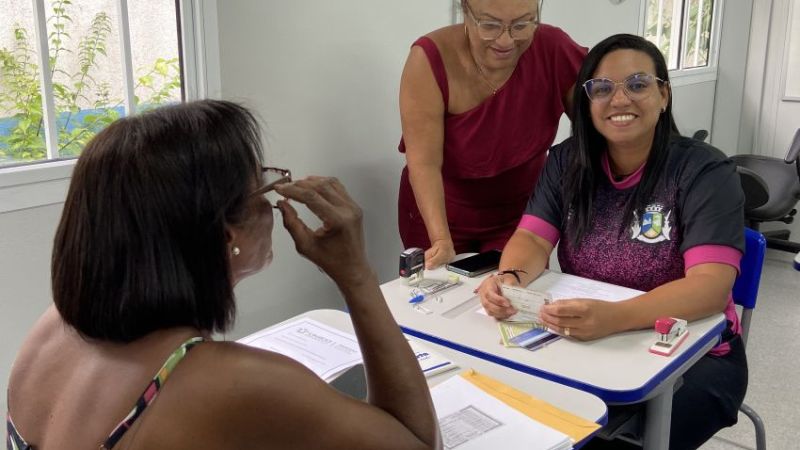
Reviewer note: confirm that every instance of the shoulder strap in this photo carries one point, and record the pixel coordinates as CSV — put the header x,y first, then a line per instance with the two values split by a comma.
x,y
150,392
437,66
14,441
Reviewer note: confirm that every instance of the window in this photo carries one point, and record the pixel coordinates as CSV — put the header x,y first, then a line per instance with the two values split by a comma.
x,y
682,29
104,59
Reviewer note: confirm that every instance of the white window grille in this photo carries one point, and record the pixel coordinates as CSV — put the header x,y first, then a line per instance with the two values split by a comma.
x,y
682,30
68,68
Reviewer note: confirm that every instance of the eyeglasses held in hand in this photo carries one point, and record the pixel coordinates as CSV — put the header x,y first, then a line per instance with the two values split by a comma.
x,y
637,87
489,30
271,177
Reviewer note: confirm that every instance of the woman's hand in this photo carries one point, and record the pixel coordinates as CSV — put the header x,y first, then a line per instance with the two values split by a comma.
x,y
581,318
492,299
440,253
337,247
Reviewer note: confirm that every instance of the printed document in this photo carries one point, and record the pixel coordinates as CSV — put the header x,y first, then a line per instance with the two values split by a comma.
x,y
471,419
323,349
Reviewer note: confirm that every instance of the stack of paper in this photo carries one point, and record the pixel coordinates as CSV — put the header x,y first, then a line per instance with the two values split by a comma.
x,y
471,416
478,412
325,350
430,361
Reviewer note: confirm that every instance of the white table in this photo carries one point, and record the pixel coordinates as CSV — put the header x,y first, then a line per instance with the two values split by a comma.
x,y
575,401
619,369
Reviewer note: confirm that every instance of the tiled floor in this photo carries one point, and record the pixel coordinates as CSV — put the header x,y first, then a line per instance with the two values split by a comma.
x,y
773,353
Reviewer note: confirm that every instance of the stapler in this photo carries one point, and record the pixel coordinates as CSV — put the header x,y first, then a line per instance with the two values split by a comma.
x,y
670,333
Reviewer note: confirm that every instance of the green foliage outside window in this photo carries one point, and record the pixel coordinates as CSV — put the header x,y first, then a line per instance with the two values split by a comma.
x,y
20,93
663,36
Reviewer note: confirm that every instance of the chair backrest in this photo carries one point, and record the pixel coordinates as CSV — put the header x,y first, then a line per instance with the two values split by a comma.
x,y
745,289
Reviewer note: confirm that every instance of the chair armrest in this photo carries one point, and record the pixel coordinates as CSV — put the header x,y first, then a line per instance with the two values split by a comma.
x,y
794,149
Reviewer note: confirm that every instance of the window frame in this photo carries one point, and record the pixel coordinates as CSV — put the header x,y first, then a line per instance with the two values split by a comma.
x,y
694,75
46,182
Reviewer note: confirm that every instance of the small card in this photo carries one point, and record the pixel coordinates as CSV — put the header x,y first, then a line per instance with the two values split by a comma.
x,y
510,330
535,338
526,302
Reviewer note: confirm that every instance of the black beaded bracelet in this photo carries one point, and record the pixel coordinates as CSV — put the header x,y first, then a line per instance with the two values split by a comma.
x,y
514,272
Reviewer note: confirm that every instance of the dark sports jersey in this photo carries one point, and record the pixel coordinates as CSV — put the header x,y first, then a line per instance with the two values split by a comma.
x,y
695,216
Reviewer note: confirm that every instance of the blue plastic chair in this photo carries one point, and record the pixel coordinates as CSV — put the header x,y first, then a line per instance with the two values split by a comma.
x,y
745,293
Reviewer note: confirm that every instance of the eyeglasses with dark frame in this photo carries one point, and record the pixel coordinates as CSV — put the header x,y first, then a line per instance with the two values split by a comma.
x,y
637,87
490,30
272,176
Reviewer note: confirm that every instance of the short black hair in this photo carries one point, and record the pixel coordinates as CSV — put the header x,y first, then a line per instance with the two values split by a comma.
x,y
141,245
584,168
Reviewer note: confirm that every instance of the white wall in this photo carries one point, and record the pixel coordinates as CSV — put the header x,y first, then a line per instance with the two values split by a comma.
x,y
324,76
729,120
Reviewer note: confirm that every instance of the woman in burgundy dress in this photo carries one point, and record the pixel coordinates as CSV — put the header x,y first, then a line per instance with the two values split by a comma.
x,y
480,104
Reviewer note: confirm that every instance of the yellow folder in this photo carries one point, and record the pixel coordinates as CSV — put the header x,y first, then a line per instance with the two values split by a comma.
x,y
573,426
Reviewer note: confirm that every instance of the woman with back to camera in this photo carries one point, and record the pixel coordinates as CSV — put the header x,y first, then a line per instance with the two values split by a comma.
x,y
480,104
166,212
633,203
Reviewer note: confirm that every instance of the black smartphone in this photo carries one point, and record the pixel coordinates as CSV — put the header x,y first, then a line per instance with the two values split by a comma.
x,y
475,265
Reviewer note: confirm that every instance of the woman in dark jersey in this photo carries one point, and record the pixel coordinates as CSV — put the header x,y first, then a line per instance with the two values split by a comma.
x,y
632,202
480,104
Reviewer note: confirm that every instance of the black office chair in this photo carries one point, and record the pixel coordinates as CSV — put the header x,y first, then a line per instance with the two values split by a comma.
x,y
782,181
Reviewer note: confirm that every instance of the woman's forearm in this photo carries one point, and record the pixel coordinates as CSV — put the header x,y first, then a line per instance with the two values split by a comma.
x,y
426,181
394,380
526,252
693,297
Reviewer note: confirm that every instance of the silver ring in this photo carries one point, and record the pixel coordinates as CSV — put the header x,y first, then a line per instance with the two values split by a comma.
x,y
566,331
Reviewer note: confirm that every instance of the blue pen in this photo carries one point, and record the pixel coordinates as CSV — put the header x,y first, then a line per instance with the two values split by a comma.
x,y
419,298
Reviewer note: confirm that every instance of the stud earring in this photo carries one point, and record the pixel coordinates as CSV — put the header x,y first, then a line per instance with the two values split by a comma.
x,y
663,109
235,251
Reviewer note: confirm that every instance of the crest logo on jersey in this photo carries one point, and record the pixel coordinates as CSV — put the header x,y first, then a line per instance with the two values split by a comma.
x,y
654,225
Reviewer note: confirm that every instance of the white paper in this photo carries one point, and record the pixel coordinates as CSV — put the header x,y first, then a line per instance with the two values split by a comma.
x,y
526,302
323,349
471,419
561,286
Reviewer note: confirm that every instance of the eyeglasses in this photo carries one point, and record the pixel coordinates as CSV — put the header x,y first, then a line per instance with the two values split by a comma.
x,y
489,30
637,87
272,176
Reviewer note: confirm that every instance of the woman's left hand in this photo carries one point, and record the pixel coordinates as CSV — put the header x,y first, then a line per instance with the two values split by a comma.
x,y
581,318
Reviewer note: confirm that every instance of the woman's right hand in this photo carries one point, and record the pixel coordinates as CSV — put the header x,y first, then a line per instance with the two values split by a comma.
x,y
440,253
339,239
492,299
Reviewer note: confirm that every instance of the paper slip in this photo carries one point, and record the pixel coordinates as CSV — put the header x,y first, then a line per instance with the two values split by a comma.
x,y
472,419
526,302
430,361
323,349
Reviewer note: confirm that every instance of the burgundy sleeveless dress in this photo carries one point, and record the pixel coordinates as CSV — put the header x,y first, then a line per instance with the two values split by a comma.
x,y
493,153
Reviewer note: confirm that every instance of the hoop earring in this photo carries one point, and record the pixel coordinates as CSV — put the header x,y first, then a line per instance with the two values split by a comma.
x,y
235,251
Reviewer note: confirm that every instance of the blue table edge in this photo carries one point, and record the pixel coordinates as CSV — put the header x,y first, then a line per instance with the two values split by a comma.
x,y
607,395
